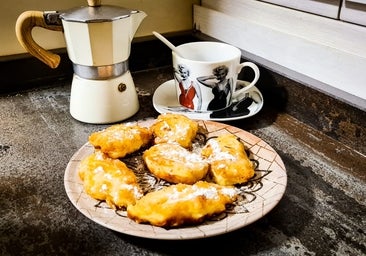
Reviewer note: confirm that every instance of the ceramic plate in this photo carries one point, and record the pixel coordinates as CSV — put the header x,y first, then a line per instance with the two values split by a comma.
x,y
165,100
262,192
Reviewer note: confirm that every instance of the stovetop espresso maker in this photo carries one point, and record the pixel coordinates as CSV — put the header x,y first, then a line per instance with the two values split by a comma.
x,y
98,39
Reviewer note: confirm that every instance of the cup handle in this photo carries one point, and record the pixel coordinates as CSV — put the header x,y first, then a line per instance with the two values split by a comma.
x,y
255,68
23,28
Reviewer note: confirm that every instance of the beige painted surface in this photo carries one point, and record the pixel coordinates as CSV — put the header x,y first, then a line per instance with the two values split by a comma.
x,y
162,16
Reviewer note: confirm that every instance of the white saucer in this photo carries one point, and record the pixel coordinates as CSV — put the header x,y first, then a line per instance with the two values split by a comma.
x,y
165,101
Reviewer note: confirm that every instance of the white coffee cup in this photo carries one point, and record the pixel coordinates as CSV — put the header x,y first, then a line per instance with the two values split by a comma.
x,y
206,75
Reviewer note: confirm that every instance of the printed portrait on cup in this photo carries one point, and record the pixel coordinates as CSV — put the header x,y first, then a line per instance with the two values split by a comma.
x,y
190,93
221,87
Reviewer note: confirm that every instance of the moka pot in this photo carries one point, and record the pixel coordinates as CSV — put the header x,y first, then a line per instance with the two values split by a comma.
x,y
98,40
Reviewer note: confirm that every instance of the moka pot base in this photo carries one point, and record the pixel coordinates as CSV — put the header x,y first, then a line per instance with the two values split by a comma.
x,y
103,101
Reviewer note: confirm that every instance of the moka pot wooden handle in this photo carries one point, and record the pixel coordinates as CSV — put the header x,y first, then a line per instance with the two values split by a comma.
x,y
23,29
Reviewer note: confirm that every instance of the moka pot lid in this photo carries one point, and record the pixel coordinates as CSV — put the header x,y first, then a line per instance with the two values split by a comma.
x,y
96,14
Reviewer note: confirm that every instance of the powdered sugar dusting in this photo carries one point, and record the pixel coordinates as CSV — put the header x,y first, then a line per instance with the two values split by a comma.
x,y
99,169
132,188
217,153
182,155
99,156
128,133
231,192
180,130
209,193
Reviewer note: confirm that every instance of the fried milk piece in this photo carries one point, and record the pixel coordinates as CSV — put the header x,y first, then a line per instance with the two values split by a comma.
x,y
175,164
229,163
178,128
119,140
109,180
182,204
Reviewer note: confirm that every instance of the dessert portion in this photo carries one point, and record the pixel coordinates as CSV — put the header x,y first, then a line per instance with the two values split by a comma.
x,y
229,163
176,177
109,180
119,140
175,164
177,128
182,204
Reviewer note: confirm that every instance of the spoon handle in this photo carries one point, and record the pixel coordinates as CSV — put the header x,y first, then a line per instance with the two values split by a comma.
x,y
166,42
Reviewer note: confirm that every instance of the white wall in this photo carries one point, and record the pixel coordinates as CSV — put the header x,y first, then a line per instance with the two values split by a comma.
x,y
163,16
324,53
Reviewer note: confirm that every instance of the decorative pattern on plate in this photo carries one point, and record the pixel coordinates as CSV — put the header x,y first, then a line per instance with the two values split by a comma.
x,y
260,195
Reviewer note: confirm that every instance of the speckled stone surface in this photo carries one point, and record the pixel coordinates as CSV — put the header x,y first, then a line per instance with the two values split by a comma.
x,y
322,212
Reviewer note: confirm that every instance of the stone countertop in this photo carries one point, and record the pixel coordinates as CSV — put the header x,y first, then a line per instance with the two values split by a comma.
x,y
321,213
